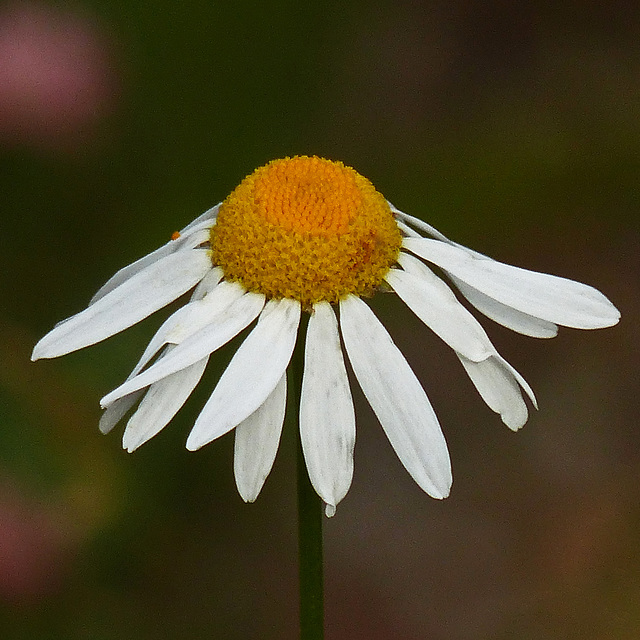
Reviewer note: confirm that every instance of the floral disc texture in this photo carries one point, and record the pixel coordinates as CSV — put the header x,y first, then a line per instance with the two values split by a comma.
x,y
308,229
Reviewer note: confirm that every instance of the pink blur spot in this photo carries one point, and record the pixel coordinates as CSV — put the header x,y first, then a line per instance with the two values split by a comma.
x,y
57,79
33,553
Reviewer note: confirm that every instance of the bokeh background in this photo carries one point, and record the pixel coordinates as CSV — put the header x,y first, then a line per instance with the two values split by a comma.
x,y
512,127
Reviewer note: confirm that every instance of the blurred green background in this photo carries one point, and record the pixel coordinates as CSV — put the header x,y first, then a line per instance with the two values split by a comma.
x,y
512,127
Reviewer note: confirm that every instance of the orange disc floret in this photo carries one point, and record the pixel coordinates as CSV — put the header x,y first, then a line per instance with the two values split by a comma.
x,y
306,228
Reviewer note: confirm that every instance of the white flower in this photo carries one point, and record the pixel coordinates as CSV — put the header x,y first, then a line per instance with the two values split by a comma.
x,y
306,235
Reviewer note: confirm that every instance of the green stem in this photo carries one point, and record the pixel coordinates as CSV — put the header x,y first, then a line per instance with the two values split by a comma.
x,y
310,515
310,552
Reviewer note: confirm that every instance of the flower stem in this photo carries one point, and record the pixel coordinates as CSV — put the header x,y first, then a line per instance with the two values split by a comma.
x,y
310,552
310,509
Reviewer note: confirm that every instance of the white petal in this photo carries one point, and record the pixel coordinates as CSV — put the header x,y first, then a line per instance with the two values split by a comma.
x,y
221,328
190,319
418,224
201,312
140,296
407,230
327,418
194,234
161,402
207,284
502,314
173,246
256,443
427,228
499,389
226,294
208,216
116,411
541,295
519,379
330,510
434,303
506,316
252,374
397,398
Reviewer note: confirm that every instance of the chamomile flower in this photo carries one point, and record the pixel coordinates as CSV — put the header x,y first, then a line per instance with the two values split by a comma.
x,y
308,235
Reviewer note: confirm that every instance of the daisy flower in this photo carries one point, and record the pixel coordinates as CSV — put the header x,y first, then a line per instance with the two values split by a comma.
x,y
305,235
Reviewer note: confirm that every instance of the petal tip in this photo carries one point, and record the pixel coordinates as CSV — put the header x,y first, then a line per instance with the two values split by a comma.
x,y
514,426
441,495
442,489
193,443
129,444
614,317
105,429
40,351
248,497
607,315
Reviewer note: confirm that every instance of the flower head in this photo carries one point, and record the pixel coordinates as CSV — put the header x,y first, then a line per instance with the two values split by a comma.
x,y
306,229
307,235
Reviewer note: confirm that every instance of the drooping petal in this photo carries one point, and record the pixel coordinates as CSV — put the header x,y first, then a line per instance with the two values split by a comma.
x,y
135,299
506,316
256,443
126,273
191,317
252,374
541,295
327,418
161,402
204,218
407,230
116,411
203,311
418,224
194,234
207,284
500,313
222,327
499,388
189,320
396,397
518,378
498,370
434,303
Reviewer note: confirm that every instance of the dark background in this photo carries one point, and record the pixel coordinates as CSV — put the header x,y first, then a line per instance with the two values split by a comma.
x,y
512,127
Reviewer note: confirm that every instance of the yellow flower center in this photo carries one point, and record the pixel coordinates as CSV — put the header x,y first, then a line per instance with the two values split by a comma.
x,y
306,228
